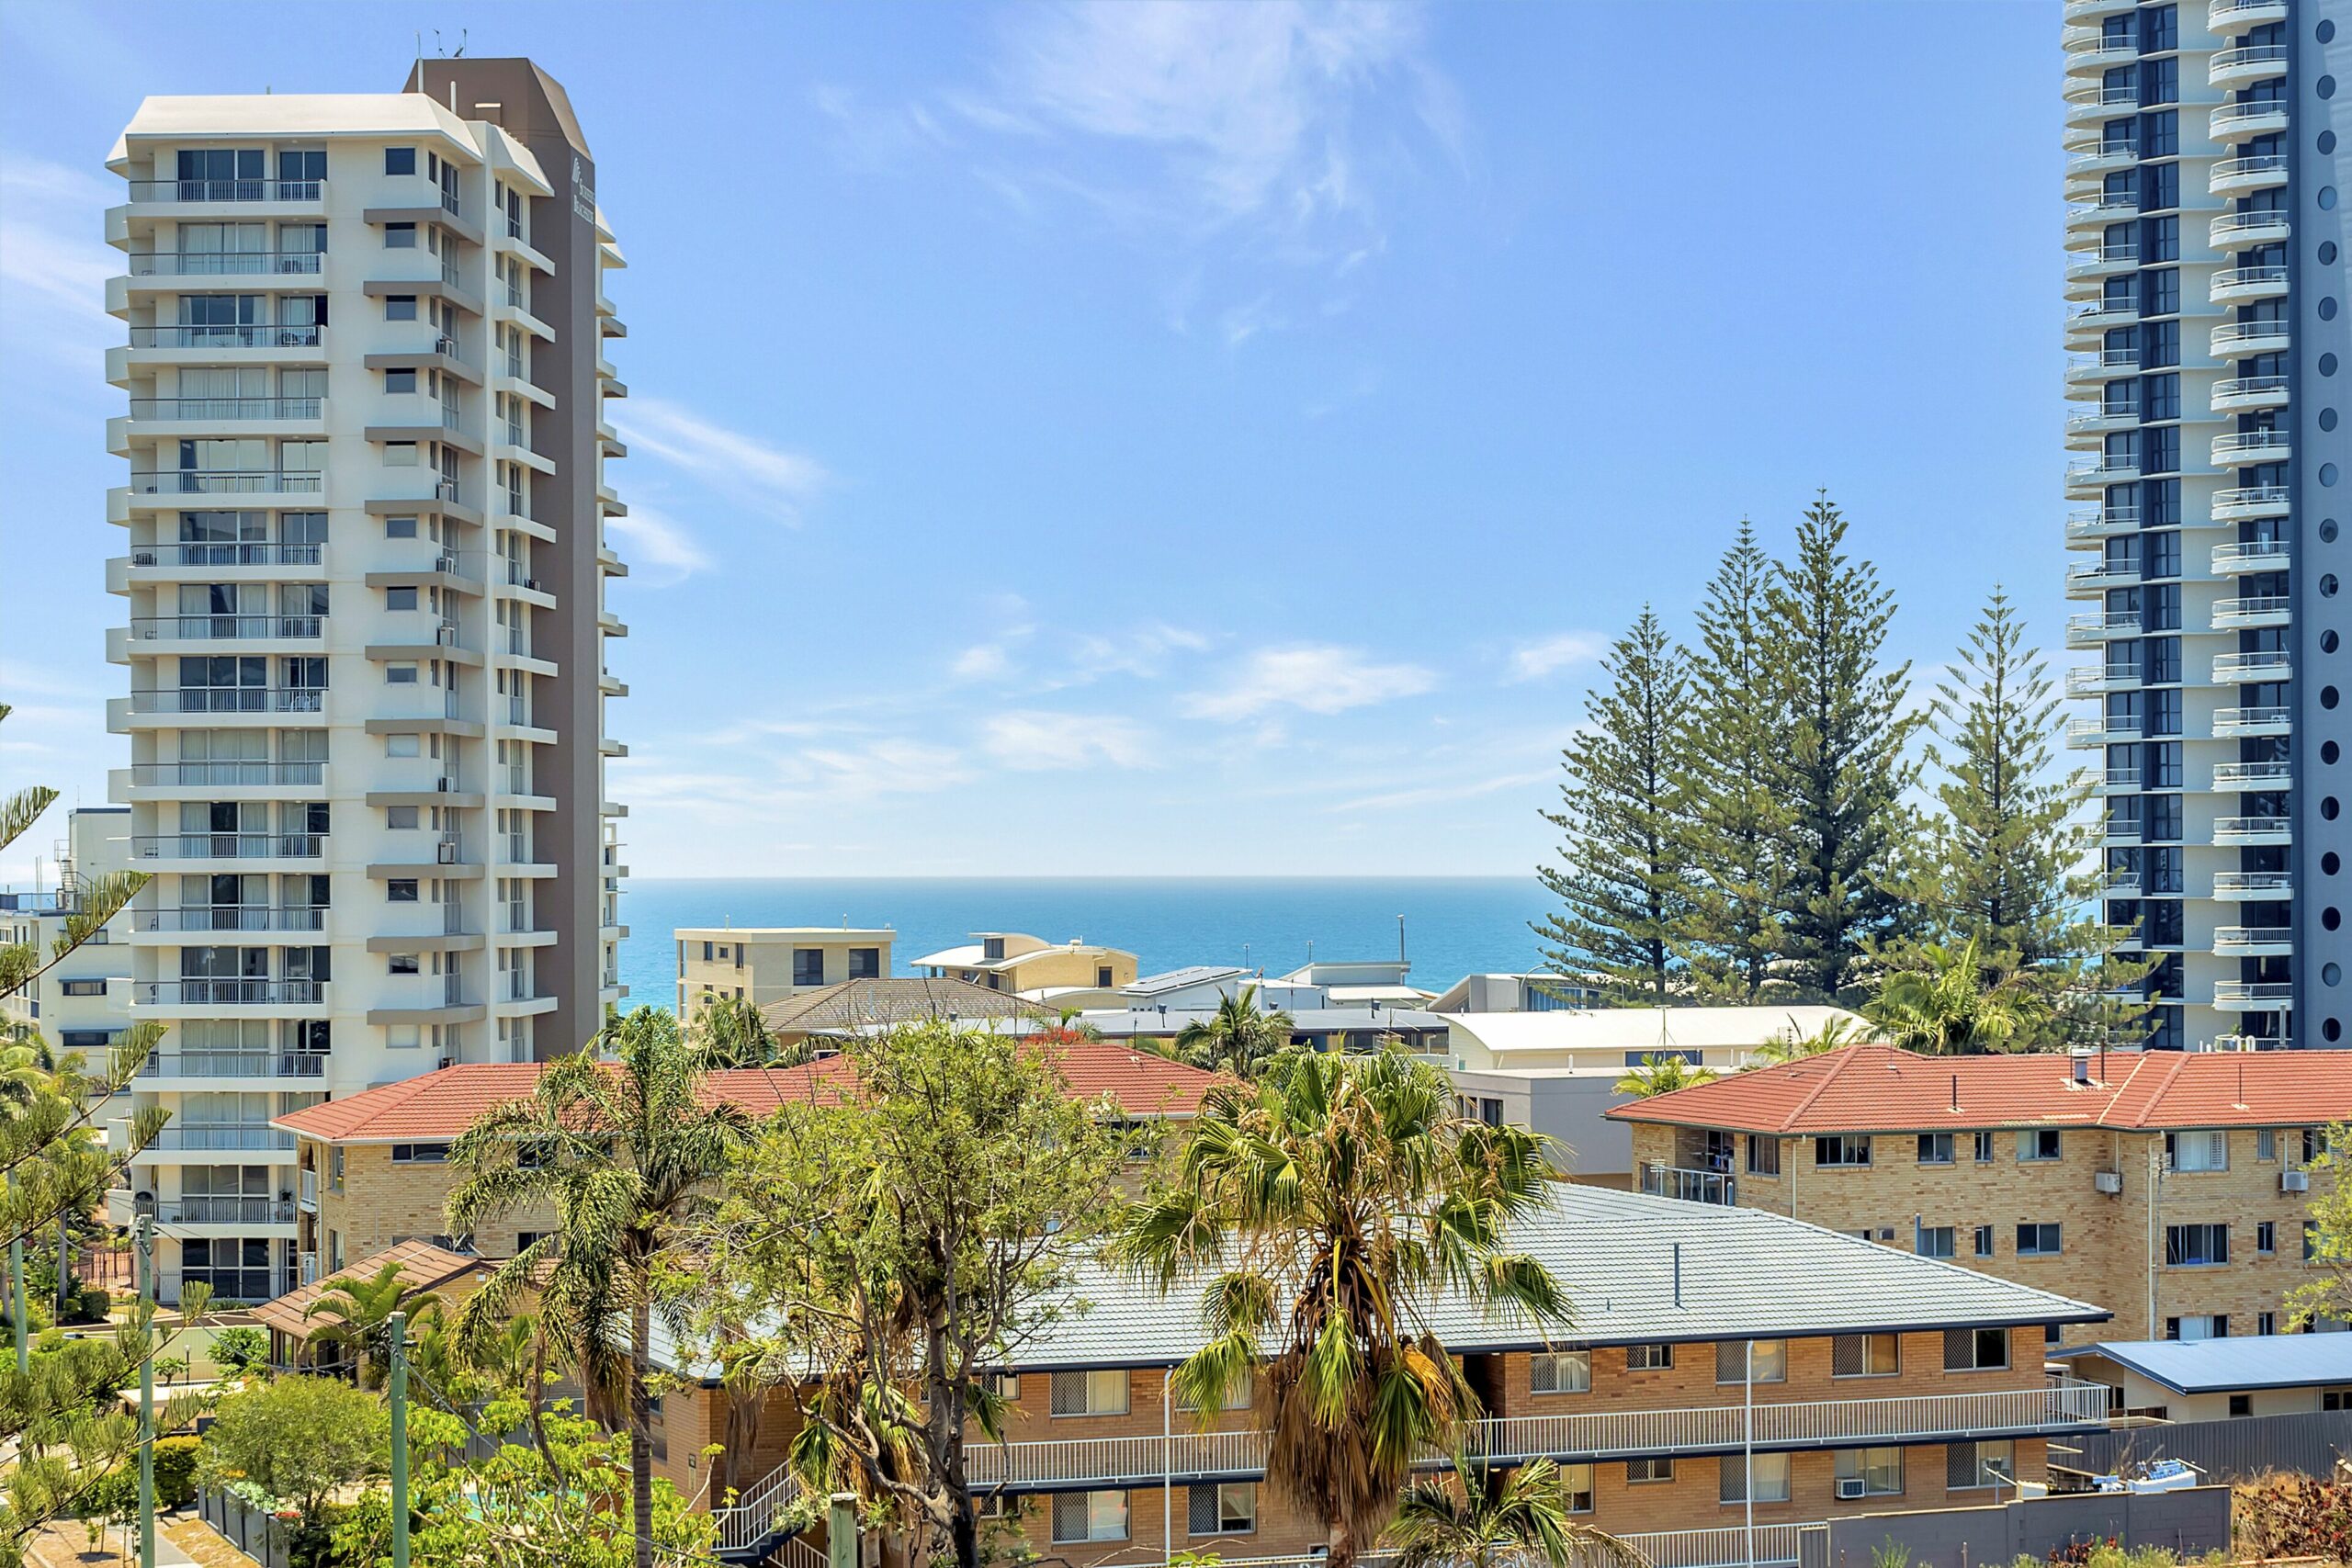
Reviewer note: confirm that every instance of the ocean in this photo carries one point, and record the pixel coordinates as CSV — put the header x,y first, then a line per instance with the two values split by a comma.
x,y
1453,925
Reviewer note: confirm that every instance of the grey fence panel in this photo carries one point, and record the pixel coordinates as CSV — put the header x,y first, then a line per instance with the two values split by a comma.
x,y
2190,1522
244,1527
2306,1444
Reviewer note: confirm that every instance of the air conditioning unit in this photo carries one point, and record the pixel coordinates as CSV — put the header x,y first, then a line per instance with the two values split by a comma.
x,y
1851,1487
442,783
448,852
2294,1181
2107,1181
448,346
444,1062
447,635
446,564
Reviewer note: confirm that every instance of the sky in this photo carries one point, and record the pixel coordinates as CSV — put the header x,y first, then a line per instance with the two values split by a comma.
x,y
1146,439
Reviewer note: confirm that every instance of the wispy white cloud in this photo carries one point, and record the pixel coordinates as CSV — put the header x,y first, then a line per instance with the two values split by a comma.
x,y
659,550
51,258
1436,793
1037,741
1316,678
744,468
1548,656
1141,651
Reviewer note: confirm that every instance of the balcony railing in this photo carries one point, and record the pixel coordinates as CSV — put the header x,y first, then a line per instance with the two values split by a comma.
x,y
2247,387
2258,164
228,553
191,1135
217,1209
205,992
230,699
226,482
2062,1405
2230,333
225,263
206,628
2249,447
234,917
228,773
227,846
2252,607
308,1192
2271,664
2224,115
2253,993
235,1065
227,335
2255,775
2252,54
2233,829
2240,720
226,408
1690,1184
228,190
2229,225
2251,498
2233,939
2247,883
2246,277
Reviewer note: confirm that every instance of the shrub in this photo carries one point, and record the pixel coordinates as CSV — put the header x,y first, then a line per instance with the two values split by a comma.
x,y
175,1471
90,1304
2291,1516
239,1349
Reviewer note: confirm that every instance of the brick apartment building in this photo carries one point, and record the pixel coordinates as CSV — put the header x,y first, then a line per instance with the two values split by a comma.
x,y
2168,1187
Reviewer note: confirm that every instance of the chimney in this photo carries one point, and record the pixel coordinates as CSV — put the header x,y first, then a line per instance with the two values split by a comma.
x,y
2078,1064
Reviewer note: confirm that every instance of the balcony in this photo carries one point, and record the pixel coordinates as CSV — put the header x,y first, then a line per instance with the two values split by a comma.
x,y
2242,556
2096,577
2102,522
2239,122
2264,886
2243,501
2095,101
2103,730
2262,994
231,917
2249,393
235,1065
2062,1405
225,481
230,699
2102,313
226,628
2267,664
2254,720
2092,681
214,1209
226,775
2234,448
2101,626
226,264
2241,283
2102,157
2226,16
2244,230
2236,67
2238,340
2253,831
2108,260
1692,1186
2251,611
2098,210
178,192
228,336
2259,171
188,1137
227,846
2090,50
221,411
165,557
2103,365
2123,779
2120,831
309,1192
2254,942
2278,773
2120,883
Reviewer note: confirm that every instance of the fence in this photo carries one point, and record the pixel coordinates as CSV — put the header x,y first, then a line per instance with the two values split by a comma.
x,y
2189,1523
2306,1444
244,1527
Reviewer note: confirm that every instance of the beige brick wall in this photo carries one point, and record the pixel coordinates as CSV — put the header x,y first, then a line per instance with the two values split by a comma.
x,y
380,1203
2108,1241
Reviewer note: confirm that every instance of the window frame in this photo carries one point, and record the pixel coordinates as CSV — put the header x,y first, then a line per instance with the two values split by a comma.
x,y
1650,1355
2056,1228
1868,1344
1556,1358
1863,1468
1937,1149
1845,1144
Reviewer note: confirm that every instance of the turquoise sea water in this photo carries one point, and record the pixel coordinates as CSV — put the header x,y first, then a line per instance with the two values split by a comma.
x,y
1453,926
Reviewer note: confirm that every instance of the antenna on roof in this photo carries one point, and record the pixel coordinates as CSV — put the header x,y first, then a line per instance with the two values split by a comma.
x,y
461,45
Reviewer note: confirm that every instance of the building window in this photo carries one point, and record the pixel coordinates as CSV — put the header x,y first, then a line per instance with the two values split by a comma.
x,y
1935,1241
808,965
2265,1144
400,598
1225,1507
1770,1472
1865,1356
402,964
1649,1358
1986,1463
2266,1236
2038,1144
401,890
2241,1404
2198,1151
1983,1148
400,307
2266,1322
400,528
2199,1325
400,160
2197,1246
1869,1473
1095,1392
1090,1516
1763,1155
1769,1358
1560,1371
420,1154
83,987
1641,1472
1976,1349
399,236
865,962
1934,1148
525,1240
1841,1151
1576,1484
1983,1241
2038,1240
399,674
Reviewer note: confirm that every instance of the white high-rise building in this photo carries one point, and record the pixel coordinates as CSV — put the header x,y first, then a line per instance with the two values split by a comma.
x,y
2208,276
366,625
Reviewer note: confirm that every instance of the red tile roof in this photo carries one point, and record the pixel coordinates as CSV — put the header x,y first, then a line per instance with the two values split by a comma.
x,y
440,1105
424,1266
1870,1089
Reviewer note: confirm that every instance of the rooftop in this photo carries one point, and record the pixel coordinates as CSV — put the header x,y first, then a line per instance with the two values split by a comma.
x,y
1019,948
780,933
2216,1366
852,1005
1178,980
437,1106
1870,1089
1640,1029
424,1266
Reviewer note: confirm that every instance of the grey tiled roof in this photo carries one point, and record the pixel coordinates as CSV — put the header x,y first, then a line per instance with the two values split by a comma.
x,y
854,1004
1744,1274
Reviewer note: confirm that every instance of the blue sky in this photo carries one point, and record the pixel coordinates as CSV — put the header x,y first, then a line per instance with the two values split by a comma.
x,y
1142,439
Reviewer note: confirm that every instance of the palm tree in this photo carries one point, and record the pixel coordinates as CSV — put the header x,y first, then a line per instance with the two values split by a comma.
x,y
1663,1075
1520,1516
359,1315
1237,1038
729,1032
1325,1205
1794,1043
1956,1001
621,1151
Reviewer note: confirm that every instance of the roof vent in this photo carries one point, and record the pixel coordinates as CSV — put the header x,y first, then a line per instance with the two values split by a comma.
x,y
2079,1065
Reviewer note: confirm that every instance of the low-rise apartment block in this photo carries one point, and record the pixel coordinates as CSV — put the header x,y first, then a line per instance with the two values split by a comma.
x,y
82,1003
771,963
1716,1355
1013,961
2171,1188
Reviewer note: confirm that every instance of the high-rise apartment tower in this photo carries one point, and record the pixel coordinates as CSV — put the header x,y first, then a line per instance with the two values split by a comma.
x,y
2212,377
365,626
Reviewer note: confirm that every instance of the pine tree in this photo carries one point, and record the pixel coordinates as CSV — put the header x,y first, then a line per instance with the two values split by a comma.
x,y
1736,827
1841,772
1622,879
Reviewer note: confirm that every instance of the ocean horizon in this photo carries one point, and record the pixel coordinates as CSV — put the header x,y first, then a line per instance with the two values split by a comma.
x,y
1452,926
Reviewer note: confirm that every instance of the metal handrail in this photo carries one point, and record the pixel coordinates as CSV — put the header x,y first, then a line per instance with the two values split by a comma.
x,y
226,408
237,1064
2248,441
2229,114
220,1209
2251,54
2253,824
2106,306
230,699
2239,223
2231,278
2253,604
2251,936
2254,881
227,335
2252,550
2253,164
2252,495
2251,718
226,264
235,917
2238,993
227,846
228,190
1688,1184
751,1517
189,1135
2246,386
228,772
226,482
2244,332
228,552
2228,775
199,629
2235,666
